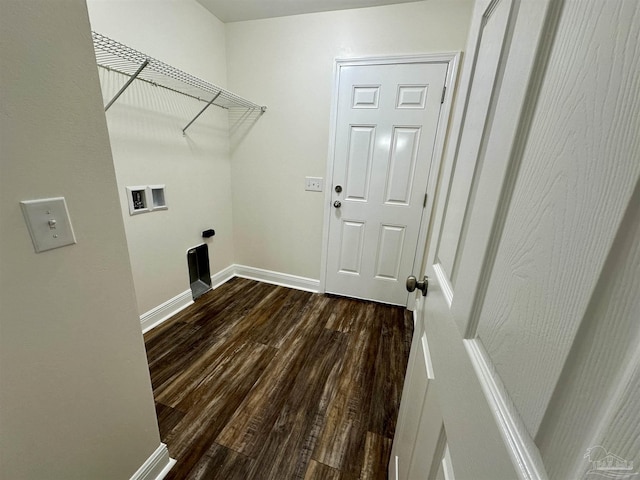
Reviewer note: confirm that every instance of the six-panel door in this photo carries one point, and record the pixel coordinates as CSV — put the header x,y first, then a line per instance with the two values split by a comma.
x,y
386,128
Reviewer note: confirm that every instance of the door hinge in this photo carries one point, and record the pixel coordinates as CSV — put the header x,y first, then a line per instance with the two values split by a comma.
x,y
424,202
444,90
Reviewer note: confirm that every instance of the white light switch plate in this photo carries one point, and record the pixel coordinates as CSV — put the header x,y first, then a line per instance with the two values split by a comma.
x,y
48,222
313,184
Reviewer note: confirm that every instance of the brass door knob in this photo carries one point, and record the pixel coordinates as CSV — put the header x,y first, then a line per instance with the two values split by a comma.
x,y
413,283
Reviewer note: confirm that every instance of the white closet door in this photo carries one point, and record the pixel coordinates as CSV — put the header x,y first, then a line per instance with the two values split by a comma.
x,y
534,263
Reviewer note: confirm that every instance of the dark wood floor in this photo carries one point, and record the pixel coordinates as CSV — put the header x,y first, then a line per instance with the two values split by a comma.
x,y
256,381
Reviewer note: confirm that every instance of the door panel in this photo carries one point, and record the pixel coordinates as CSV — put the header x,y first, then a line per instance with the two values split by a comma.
x,y
386,127
532,308
359,162
351,247
365,96
427,452
606,356
477,446
484,70
550,251
389,251
402,165
416,444
411,96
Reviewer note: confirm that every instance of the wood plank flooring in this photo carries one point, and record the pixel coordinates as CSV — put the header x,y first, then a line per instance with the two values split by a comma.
x,y
256,381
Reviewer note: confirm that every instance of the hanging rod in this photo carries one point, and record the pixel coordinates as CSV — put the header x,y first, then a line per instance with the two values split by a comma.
x,y
115,56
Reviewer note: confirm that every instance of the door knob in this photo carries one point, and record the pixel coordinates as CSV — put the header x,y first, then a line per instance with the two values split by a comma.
x,y
413,283
337,204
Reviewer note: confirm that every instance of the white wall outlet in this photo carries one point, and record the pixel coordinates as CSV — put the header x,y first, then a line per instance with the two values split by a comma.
x,y
313,184
48,223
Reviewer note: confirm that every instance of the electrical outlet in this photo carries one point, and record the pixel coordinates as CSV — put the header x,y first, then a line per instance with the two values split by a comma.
x,y
313,184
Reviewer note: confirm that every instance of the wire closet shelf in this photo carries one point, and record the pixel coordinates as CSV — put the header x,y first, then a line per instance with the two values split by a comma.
x,y
120,58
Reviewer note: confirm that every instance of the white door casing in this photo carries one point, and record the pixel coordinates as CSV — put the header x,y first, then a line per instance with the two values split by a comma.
x,y
388,125
534,261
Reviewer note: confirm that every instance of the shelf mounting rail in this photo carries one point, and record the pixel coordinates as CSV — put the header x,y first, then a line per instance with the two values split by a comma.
x,y
115,56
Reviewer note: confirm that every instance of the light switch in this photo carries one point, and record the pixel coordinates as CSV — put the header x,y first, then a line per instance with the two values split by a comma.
x,y
313,184
48,222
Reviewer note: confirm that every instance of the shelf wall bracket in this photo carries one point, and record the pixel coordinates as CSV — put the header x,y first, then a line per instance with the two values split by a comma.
x,y
126,85
201,112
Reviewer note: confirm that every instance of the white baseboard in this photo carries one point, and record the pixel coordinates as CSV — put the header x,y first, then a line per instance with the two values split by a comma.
x,y
156,466
159,314
222,276
277,278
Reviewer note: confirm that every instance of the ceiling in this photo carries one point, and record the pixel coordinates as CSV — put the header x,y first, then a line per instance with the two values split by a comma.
x,y
239,10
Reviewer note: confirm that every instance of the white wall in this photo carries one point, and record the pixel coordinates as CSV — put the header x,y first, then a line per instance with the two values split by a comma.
x,y
74,384
145,127
287,64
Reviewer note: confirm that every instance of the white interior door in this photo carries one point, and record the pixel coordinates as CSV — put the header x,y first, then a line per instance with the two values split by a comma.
x,y
420,449
386,129
531,318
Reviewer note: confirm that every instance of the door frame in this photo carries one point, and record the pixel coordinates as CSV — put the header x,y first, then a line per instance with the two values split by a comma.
x,y
452,59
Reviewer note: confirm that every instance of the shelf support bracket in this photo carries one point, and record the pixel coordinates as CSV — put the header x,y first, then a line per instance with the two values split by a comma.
x,y
126,85
201,112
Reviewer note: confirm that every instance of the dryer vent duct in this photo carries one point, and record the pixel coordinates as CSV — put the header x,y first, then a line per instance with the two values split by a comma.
x,y
199,272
